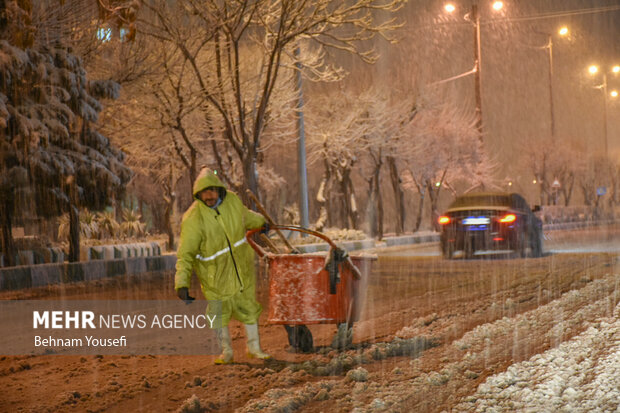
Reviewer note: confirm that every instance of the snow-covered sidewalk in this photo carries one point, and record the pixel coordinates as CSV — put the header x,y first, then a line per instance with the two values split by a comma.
x,y
580,375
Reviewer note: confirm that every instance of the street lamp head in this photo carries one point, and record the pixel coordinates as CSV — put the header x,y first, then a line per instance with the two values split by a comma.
x,y
593,69
498,5
563,31
449,7
613,93
616,69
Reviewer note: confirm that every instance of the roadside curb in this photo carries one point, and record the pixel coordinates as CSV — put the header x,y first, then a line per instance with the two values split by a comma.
x,y
417,238
28,276
346,245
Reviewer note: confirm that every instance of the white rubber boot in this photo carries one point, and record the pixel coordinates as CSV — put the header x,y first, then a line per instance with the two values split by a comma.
x,y
223,336
254,350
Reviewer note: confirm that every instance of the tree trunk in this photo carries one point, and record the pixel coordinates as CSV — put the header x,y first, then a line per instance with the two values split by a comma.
x,y
250,176
74,234
169,210
379,202
193,169
349,199
74,222
418,220
6,214
168,225
568,191
434,195
327,196
587,198
372,209
613,191
399,196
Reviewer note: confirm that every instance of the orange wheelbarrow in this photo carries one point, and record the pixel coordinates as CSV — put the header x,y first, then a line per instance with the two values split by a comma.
x,y
315,288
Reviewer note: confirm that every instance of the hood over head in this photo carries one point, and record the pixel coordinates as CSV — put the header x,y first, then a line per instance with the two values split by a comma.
x,y
206,178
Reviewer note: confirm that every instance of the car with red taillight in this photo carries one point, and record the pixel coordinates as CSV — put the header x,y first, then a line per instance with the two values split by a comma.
x,y
487,222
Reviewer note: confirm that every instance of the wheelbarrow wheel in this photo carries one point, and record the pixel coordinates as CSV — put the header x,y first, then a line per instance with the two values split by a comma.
x,y
300,338
343,337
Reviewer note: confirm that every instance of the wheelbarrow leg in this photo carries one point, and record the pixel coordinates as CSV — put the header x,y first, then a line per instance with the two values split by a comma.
x,y
343,337
300,338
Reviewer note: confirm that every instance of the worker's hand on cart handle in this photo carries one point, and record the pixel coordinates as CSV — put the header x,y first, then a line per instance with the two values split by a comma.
x,y
341,254
265,228
183,294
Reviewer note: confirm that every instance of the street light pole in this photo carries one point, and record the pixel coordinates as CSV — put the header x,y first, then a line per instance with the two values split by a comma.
x,y
604,87
562,32
477,67
615,70
474,18
550,46
301,150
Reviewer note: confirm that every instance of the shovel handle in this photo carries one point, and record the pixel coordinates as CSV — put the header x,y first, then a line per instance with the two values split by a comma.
x,y
272,224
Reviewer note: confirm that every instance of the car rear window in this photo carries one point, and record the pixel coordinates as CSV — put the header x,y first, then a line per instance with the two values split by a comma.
x,y
481,200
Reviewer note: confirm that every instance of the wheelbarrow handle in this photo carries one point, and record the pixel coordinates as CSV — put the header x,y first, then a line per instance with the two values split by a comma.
x,y
307,231
356,272
259,250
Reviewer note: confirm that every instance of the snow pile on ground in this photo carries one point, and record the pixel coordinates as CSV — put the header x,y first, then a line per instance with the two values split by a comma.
x,y
581,375
562,315
578,375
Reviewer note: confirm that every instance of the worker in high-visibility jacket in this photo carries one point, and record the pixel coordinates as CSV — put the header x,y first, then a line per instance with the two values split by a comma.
x,y
213,244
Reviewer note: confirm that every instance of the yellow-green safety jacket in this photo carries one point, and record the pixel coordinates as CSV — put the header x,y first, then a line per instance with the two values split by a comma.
x,y
213,243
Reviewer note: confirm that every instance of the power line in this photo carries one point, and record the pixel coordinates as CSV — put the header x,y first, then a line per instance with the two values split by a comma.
x,y
539,16
550,15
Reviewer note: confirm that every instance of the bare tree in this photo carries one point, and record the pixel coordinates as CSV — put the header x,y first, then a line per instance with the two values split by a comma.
x,y
240,90
597,173
383,140
336,130
550,163
444,152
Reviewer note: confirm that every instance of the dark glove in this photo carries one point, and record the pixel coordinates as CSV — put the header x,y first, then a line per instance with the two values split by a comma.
x,y
265,228
183,294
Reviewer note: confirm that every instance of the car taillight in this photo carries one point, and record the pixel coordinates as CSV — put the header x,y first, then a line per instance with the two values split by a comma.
x,y
507,219
443,220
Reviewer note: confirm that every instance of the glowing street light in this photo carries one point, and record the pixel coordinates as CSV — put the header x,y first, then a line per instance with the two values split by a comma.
x,y
498,5
563,31
449,8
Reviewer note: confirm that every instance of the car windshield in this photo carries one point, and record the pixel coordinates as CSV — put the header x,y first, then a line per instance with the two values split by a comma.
x,y
481,200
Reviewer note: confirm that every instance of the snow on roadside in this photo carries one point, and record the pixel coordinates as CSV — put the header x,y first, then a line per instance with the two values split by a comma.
x,y
580,375
561,316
